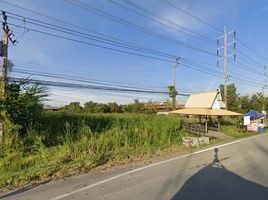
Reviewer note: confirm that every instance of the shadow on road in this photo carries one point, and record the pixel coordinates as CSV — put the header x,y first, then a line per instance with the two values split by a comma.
x,y
217,183
21,190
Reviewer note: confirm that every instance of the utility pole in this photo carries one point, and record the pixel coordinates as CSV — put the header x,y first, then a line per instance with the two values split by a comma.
x,y
175,72
7,33
174,80
225,58
4,50
264,88
225,67
265,80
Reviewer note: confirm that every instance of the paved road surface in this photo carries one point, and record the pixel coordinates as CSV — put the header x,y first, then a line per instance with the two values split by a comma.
x,y
234,171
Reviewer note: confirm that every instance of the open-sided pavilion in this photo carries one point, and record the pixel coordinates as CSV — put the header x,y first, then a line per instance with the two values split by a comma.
x,y
207,104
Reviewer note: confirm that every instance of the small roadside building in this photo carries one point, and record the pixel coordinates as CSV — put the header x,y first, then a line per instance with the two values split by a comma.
x,y
206,105
254,121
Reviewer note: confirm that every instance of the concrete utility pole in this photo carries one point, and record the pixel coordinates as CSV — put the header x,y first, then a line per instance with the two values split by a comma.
x,y
174,72
264,87
175,76
225,58
265,80
7,33
4,50
225,66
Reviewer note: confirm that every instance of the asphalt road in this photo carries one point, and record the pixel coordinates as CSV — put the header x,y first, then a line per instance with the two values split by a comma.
x,y
234,171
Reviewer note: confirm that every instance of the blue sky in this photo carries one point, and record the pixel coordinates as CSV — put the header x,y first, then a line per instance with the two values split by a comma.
x,y
42,54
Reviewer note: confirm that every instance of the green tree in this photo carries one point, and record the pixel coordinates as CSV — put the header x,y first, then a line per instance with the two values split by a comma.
x,y
258,102
102,108
172,93
23,104
232,97
114,107
90,107
245,104
136,107
73,107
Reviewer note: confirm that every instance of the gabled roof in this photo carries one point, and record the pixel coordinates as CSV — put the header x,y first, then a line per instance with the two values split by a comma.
x,y
204,100
207,104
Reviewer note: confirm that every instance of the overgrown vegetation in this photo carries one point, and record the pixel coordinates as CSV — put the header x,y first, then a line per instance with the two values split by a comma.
x,y
66,142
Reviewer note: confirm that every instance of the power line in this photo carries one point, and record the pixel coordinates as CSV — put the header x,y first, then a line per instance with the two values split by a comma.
x,y
246,67
87,86
98,39
164,22
93,44
85,73
124,22
76,79
71,24
189,64
173,5
251,49
171,61
248,59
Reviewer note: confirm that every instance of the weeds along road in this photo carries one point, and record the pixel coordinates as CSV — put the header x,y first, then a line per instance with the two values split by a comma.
x,y
233,171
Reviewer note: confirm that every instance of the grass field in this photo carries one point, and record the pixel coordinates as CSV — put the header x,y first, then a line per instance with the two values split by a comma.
x,y
64,144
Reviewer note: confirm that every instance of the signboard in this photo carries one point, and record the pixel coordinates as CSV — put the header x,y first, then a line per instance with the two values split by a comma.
x,y
253,127
246,120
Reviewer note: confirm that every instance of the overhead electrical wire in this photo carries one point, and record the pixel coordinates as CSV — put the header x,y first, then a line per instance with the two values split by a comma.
x,y
175,6
93,44
154,51
95,38
93,87
251,49
36,67
90,30
137,48
76,79
164,22
92,9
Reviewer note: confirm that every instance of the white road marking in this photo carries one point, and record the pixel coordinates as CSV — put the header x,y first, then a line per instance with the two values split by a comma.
x,y
146,167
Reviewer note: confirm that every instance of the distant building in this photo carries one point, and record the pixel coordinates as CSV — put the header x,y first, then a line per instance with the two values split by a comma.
x,y
163,106
51,108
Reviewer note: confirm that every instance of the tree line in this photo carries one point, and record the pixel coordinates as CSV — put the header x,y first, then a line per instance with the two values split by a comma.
x,y
244,103
113,107
236,102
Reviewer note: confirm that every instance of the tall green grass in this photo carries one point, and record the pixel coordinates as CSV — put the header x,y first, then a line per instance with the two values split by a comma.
x,y
64,143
